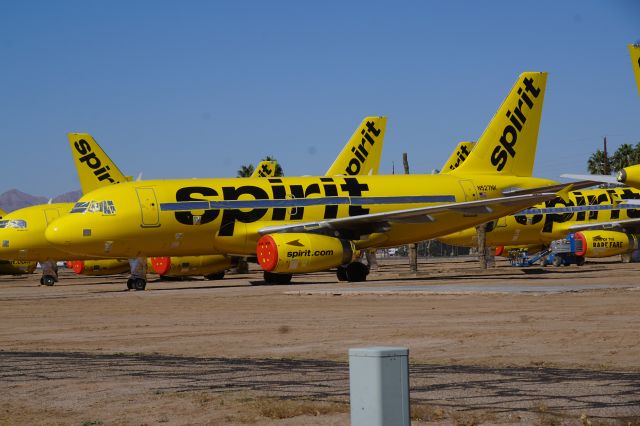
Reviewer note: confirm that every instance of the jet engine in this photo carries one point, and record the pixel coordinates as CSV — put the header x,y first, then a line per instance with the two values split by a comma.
x,y
630,176
211,266
293,253
98,267
604,243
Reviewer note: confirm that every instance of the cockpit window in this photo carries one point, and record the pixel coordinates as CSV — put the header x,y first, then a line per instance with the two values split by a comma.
x,y
13,223
105,207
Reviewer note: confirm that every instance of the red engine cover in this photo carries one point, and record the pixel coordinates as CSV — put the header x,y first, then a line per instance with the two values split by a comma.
x,y
76,265
499,250
267,252
161,265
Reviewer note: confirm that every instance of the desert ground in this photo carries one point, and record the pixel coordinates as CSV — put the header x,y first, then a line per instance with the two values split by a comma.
x,y
503,346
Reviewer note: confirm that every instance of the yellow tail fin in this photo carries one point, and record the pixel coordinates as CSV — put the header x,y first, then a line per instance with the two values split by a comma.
x,y
265,169
634,50
508,144
95,168
458,156
361,155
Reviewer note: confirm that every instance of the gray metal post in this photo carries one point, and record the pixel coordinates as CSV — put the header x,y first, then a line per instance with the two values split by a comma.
x,y
379,386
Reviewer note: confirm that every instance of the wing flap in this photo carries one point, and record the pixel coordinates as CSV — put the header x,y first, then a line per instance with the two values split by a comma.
x,y
379,221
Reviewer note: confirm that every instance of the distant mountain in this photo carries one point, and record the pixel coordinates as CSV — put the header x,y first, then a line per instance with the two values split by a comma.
x,y
68,197
14,199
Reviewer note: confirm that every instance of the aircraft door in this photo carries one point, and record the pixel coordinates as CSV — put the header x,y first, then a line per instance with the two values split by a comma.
x,y
470,192
149,212
51,215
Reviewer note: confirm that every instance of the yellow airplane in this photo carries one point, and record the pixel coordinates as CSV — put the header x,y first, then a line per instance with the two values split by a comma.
x,y
22,231
592,214
306,224
355,158
96,169
212,267
15,267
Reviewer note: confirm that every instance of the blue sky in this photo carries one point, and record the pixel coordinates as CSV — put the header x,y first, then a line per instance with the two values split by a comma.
x,y
198,88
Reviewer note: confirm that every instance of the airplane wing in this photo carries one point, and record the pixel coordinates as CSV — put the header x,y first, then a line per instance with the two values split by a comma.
x,y
596,178
581,184
379,222
620,224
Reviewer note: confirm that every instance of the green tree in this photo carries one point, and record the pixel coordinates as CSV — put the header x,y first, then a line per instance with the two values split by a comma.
x,y
596,163
624,156
245,170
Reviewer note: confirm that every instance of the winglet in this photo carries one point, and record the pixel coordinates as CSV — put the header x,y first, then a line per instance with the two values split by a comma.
x,y
361,155
95,168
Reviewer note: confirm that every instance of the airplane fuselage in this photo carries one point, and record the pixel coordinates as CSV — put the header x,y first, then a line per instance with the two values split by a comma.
x,y
551,220
209,216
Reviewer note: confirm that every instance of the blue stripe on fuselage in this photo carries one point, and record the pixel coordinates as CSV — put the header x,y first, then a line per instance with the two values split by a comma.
x,y
304,202
576,209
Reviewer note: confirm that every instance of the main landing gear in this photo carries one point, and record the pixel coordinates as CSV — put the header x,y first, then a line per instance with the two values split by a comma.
x,y
49,273
353,272
138,279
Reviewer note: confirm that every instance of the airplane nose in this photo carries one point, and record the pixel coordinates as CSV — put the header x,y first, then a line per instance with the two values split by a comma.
x,y
58,233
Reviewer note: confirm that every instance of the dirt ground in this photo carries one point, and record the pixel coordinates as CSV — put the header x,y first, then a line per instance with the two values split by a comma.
x,y
503,346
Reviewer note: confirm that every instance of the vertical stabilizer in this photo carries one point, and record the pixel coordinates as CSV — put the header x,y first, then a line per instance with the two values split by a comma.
x,y
361,155
95,168
265,169
458,156
508,144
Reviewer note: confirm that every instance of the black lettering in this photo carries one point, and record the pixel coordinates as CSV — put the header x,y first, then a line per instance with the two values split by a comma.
x,y
528,84
371,126
330,190
279,193
91,160
508,144
82,147
499,158
297,192
354,189
231,216
353,168
185,194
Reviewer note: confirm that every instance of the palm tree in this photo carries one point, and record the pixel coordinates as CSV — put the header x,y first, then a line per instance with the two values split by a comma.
x,y
245,171
623,157
596,163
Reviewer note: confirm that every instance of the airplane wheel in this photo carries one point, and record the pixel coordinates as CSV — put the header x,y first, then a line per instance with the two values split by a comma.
x,y
557,261
357,272
130,283
341,273
580,260
48,280
273,278
139,284
217,276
